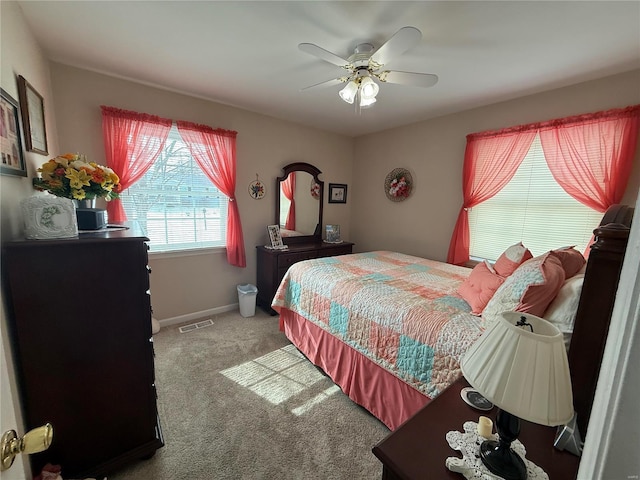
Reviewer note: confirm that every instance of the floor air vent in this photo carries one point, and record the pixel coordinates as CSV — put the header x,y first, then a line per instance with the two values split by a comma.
x,y
195,326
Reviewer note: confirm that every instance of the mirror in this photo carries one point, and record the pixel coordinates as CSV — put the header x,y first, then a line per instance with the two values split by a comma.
x,y
299,199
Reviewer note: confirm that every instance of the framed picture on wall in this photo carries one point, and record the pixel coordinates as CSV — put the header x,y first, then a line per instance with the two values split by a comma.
x,y
337,193
32,104
10,137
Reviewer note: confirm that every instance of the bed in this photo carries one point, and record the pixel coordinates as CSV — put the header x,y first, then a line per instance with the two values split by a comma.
x,y
390,329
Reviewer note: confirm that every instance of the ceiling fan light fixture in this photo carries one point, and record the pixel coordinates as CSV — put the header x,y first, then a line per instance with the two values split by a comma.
x,y
366,67
368,88
366,102
348,93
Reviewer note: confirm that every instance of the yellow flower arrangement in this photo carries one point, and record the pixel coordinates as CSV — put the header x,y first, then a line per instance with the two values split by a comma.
x,y
71,176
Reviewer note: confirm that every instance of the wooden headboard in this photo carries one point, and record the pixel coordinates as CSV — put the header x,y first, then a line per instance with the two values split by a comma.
x,y
596,305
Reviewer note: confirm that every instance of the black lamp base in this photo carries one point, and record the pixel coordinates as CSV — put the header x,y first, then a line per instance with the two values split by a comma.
x,y
504,462
498,456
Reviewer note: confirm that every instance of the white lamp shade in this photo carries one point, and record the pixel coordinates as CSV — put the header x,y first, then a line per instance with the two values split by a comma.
x,y
348,93
522,372
368,88
366,102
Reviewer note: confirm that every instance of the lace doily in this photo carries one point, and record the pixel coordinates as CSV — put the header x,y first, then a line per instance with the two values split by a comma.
x,y
471,466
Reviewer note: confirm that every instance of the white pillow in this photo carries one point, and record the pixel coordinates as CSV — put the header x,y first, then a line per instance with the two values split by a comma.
x,y
562,310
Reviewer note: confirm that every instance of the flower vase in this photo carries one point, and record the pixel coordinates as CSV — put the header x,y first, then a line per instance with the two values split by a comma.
x,y
85,203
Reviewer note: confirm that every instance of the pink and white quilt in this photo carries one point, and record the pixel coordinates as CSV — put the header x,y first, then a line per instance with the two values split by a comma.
x,y
401,312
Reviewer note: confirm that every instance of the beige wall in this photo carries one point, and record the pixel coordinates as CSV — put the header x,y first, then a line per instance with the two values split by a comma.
x,y
19,55
433,151
183,285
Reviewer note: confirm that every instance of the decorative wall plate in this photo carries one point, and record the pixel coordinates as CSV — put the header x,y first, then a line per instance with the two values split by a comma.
x,y
257,189
398,184
314,189
46,217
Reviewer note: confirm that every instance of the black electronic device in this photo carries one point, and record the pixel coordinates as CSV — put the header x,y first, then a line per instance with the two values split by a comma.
x,y
91,218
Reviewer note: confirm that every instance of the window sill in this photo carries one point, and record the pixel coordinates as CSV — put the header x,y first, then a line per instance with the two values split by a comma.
x,y
189,253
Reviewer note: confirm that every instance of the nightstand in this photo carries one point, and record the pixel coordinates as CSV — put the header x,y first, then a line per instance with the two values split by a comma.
x,y
417,449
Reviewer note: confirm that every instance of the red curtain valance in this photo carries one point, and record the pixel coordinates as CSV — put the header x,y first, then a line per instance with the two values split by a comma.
x,y
630,111
198,127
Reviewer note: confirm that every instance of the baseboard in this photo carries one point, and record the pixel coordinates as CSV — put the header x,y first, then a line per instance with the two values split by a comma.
x,y
197,315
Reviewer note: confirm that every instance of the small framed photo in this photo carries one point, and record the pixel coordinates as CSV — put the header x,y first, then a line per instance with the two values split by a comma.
x,y
32,103
337,193
10,137
332,234
274,236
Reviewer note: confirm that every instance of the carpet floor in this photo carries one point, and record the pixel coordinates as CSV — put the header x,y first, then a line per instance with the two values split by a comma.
x,y
238,401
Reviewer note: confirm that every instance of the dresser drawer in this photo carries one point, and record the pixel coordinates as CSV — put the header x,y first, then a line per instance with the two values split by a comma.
x,y
288,259
344,250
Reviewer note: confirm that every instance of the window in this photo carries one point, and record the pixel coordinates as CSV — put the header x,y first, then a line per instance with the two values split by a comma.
x,y
285,204
176,204
532,208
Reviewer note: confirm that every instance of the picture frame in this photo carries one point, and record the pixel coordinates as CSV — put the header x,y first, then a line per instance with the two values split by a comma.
x,y
12,159
32,105
274,236
337,193
332,234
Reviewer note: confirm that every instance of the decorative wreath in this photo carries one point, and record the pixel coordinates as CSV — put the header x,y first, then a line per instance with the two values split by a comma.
x,y
398,184
315,189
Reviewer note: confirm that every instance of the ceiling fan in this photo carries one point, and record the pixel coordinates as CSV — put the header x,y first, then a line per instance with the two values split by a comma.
x,y
367,64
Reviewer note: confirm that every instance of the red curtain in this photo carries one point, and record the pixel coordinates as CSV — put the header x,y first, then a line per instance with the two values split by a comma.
x,y
490,162
132,142
288,188
591,156
214,150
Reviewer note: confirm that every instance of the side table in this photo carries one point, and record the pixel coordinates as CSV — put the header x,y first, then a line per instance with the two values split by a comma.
x,y
417,449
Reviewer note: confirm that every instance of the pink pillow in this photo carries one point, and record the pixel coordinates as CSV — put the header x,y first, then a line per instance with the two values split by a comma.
x,y
571,259
530,289
480,286
512,258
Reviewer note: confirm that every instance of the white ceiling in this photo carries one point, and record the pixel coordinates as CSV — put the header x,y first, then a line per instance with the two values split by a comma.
x,y
245,53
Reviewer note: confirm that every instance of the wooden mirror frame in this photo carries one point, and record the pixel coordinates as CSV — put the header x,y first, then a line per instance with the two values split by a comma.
x,y
314,172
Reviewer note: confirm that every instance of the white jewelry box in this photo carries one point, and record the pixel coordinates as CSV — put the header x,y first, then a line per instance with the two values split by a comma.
x,y
47,216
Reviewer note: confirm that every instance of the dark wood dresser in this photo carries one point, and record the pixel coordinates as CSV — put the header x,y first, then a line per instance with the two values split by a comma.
x,y
273,264
79,315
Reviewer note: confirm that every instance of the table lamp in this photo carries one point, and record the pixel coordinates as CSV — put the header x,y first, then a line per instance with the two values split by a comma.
x,y
520,364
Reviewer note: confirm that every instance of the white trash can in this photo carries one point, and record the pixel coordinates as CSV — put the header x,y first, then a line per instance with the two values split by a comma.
x,y
247,299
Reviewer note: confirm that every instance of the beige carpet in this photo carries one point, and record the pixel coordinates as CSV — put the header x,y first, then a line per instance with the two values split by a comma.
x,y
237,401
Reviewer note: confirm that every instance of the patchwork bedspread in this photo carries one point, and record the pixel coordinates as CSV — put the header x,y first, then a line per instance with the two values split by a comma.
x,y
400,311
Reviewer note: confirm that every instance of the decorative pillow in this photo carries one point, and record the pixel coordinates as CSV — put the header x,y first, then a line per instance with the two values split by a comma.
x,y
530,289
480,286
562,310
512,258
571,259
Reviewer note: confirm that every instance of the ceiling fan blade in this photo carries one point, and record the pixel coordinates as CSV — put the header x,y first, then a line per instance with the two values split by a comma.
x,y
409,78
402,40
323,54
327,83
